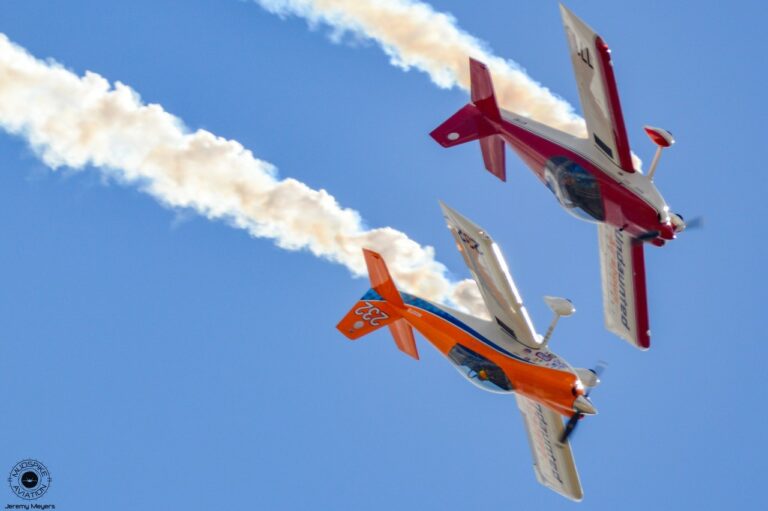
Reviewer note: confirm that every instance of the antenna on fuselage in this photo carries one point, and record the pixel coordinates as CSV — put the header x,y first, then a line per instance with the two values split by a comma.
x,y
561,307
662,139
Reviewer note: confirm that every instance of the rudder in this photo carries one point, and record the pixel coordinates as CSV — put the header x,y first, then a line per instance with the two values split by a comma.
x,y
478,120
482,92
380,306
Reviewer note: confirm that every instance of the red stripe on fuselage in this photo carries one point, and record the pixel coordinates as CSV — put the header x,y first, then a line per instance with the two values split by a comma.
x,y
623,208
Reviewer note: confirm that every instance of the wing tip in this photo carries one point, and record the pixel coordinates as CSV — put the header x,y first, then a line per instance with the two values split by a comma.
x,y
644,342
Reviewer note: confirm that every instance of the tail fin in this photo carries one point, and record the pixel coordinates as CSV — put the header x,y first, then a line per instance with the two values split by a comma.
x,y
382,305
381,281
477,120
482,90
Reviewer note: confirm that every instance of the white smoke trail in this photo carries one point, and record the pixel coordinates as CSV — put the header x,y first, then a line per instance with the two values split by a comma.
x,y
414,35
77,121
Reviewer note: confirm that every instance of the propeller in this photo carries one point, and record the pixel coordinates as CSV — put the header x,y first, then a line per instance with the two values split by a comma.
x,y
679,223
646,236
694,223
570,426
599,369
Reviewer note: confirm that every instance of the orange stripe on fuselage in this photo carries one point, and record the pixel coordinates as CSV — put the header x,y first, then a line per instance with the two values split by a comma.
x,y
550,387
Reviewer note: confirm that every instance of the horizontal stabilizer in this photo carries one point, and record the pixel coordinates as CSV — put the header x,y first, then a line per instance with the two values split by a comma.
x,y
464,126
367,315
403,335
493,156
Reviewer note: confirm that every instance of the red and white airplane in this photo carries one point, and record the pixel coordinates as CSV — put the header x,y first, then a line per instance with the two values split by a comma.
x,y
504,354
593,178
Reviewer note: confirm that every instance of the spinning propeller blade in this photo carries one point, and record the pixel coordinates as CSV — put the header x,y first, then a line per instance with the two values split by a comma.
x,y
695,223
570,426
598,371
646,236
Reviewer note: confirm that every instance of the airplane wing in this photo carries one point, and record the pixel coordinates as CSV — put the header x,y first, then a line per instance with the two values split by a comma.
x,y
622,268
597,90
497,288
553,462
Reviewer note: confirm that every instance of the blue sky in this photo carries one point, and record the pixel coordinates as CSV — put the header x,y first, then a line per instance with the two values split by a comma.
x,y
153,358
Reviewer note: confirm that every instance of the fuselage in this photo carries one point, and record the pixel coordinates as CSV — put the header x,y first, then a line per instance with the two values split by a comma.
x,y
490,358
585,181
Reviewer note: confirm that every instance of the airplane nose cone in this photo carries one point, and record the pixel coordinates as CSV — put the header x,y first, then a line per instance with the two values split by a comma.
x,y
584,405
677,222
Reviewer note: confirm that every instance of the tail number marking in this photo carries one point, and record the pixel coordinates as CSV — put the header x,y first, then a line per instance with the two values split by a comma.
x,y
371,314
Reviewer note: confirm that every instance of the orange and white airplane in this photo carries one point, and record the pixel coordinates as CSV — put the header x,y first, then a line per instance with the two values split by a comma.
x,y
504,354
593,178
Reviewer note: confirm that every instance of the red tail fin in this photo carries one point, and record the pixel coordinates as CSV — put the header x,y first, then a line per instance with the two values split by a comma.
x,y
482,90
477,120
380,306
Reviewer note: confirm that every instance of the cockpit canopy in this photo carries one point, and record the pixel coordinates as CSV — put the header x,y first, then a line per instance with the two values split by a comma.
x,y
479,370
576,189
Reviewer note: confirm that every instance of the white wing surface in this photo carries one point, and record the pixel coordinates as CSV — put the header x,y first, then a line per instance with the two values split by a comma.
x,y
597,90
487,265
553,462
625,303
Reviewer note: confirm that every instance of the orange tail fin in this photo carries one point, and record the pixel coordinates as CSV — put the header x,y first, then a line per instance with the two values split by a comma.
x,y
382,305
381,281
